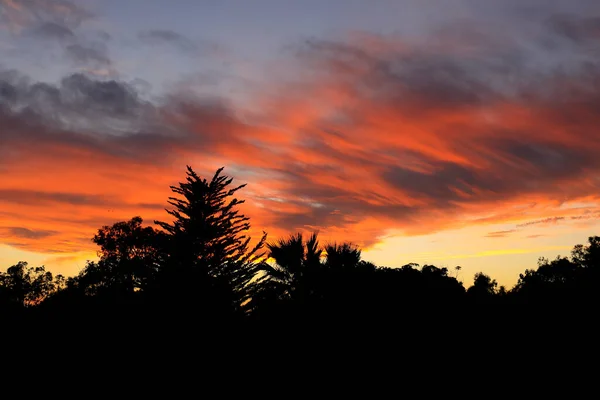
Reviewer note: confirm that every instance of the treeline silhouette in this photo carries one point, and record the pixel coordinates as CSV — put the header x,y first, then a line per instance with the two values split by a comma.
x,y
198,275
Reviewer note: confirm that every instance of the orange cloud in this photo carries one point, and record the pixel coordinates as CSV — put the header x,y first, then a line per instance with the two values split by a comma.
x,y
374,136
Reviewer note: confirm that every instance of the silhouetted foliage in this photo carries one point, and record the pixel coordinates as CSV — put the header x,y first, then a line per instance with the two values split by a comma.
x,y
563,279
130,256
199,272
292,257
284,281
342,256
209,259
483,286
24,286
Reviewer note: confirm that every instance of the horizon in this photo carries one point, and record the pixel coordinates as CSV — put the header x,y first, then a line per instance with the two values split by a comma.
x,y
452,133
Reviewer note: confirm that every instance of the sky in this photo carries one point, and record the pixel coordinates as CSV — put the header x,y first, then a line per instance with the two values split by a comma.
x,y
447,132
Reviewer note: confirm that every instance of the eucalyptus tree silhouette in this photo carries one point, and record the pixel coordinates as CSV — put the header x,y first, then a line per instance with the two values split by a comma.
x,y
563,280
587,256
483,285
25,286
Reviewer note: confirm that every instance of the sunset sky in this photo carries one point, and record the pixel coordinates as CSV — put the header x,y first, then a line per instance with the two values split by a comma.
x,y
449,132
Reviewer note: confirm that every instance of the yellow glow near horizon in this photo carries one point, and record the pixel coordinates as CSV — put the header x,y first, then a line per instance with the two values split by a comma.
x,y
503,258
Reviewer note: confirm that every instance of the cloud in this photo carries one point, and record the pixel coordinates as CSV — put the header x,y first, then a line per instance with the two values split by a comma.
x,y
88,54
162,36
60,113
31,197
498,234
574,28
19,14
25,233
52,30
37,26
85,141
358,139
155,37
103,35
549,220
158,37
592,216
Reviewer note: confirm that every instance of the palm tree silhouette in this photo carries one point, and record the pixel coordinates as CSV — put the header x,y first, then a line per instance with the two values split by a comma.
x,y
342,256
292,260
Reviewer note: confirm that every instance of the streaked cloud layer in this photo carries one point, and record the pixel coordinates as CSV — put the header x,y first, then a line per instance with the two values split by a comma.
x,y
364,136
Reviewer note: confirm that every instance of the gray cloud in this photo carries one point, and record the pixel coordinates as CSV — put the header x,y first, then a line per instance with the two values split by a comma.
x,y
107,97
33,197
421,80
445,184
52,30
24,233
575,28
77,102
156,37
104,35
24,13
159,37
107,117
92,54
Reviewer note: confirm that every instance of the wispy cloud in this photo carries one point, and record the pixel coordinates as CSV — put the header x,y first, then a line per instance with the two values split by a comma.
x,y
500,233
24,233
157,37
549,220
53,30
350,138
88,54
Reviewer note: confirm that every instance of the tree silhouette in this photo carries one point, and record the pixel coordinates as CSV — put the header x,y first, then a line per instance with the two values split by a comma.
x,y
301,282
587,256
562,279
457,270
342,256
207,247
198,274
293,258
130,255
24,286
483,285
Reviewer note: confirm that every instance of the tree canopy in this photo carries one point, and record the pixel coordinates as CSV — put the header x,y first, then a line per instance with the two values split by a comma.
x,y
201,271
